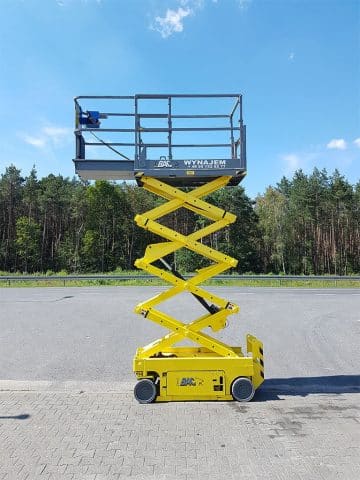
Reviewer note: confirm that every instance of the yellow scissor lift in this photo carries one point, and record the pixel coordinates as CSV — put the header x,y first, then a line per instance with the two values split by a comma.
x,y
211,370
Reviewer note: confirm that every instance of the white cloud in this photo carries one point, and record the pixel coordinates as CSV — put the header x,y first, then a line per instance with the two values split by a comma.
x,y
172,22
291,56
305,160
337,144
50,135
56,134
192,4
64,3
357,142
34,141
244,4
292,162
321,156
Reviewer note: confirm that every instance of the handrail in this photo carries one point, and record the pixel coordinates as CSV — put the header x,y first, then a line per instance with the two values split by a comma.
x,y
229,130
280,278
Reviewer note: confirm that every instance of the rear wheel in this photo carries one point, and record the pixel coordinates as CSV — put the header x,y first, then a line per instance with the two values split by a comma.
x,y
145,391
242,389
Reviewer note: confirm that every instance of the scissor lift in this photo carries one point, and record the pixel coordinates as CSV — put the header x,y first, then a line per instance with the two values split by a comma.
x,y
211,370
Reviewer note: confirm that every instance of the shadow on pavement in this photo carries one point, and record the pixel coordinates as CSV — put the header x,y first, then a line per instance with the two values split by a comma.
x,y
303,386
23,416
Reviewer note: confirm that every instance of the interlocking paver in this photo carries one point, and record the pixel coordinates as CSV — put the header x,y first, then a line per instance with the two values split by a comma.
x,y
99,435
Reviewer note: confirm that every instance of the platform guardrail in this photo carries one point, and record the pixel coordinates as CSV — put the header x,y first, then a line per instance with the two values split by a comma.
x,y
67,278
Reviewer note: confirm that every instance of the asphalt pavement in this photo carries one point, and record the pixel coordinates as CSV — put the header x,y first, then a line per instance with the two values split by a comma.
x,y
91,334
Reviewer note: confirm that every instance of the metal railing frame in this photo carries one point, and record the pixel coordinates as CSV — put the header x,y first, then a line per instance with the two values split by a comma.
x,y
68,278
235,141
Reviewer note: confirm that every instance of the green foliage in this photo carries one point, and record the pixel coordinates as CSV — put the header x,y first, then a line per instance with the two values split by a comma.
x,y
188,261
11,184
108,220
272,210
27,243
309,224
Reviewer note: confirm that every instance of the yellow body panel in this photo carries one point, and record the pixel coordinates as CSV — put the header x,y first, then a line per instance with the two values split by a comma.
x,y
207,371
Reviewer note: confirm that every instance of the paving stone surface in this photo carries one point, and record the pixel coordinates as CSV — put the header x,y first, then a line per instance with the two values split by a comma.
x,y
98,431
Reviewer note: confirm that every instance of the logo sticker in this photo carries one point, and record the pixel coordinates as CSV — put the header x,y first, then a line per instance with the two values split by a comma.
x,y
190,382
163,164
199,164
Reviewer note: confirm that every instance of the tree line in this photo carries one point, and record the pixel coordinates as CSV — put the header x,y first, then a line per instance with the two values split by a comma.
x,y
308,224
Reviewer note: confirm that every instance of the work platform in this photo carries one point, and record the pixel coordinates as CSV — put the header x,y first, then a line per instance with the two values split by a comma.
x,y
185,140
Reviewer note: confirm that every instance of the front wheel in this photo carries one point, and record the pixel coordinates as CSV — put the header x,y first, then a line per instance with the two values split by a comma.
x,y
145,391
242,389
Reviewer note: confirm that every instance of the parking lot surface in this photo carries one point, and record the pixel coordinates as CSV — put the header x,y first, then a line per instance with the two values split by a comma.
x,y
67,408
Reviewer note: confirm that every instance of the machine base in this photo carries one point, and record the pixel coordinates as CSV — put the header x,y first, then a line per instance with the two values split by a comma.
x,y
193,374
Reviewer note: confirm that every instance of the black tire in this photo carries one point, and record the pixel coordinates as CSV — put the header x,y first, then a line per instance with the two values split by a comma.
x,y
242,389
145,391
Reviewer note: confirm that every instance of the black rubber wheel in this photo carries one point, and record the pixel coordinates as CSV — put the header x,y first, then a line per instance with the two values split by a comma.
x,y
242,389
145,391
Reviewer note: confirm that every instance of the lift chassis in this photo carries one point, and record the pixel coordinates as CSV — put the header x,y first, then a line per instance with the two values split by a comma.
x,y
210,370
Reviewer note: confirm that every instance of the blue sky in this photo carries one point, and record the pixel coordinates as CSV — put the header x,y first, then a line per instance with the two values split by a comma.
x,y
297,64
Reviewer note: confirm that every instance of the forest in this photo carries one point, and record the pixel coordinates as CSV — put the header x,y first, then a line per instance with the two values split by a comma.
x,y
307,224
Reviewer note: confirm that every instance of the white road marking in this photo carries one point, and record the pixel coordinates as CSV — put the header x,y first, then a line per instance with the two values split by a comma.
x,y
325,294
